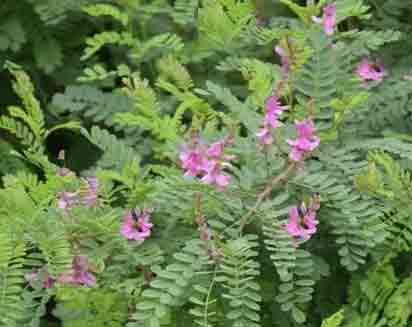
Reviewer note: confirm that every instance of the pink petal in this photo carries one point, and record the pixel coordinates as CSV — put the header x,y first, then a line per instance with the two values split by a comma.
x,y
296,155
222,180
329,19
216,149
264,136
87,279
293,227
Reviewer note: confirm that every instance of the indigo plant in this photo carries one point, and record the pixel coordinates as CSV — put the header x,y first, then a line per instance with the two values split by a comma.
x,y
207,163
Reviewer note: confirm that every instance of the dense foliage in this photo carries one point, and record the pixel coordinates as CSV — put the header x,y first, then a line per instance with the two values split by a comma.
x,y
205,163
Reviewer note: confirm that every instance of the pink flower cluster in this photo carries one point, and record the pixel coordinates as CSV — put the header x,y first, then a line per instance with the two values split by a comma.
x,y
302,223
66,200
306,141
270,121
136,225
370,71
79,274
40,275
87,197
199,160
328,20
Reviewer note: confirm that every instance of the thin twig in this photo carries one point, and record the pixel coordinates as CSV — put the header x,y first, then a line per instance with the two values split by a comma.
x,y
268,189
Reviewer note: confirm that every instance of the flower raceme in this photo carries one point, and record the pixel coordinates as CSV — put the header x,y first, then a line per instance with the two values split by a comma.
x,y
328,20
87,195
306,142
370,71
136,225
284,59
193,158
66,200
79,274
208,163
270,121
40,276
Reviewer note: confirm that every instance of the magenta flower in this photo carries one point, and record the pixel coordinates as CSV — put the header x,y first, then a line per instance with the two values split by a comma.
x,y
273,111
207,163
41,275
79,274
193,158
215,176
270,121
328,20
215,163
284,59
265,136
302,223
136,225
306,141
293,226
216,149
90,196
370,71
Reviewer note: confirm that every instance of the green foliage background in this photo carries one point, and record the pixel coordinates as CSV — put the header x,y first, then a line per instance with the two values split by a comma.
x,y
120,84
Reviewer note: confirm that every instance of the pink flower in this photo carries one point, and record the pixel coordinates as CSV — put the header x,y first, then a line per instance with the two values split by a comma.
x,y
370,71
41,275
302,223
136,225
273,111
193,159
215,176
87,196
293,226
270,121
328,19
207,163
66,200
79,274
265,136
306,141
90,196
216,149
284,59
65,172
